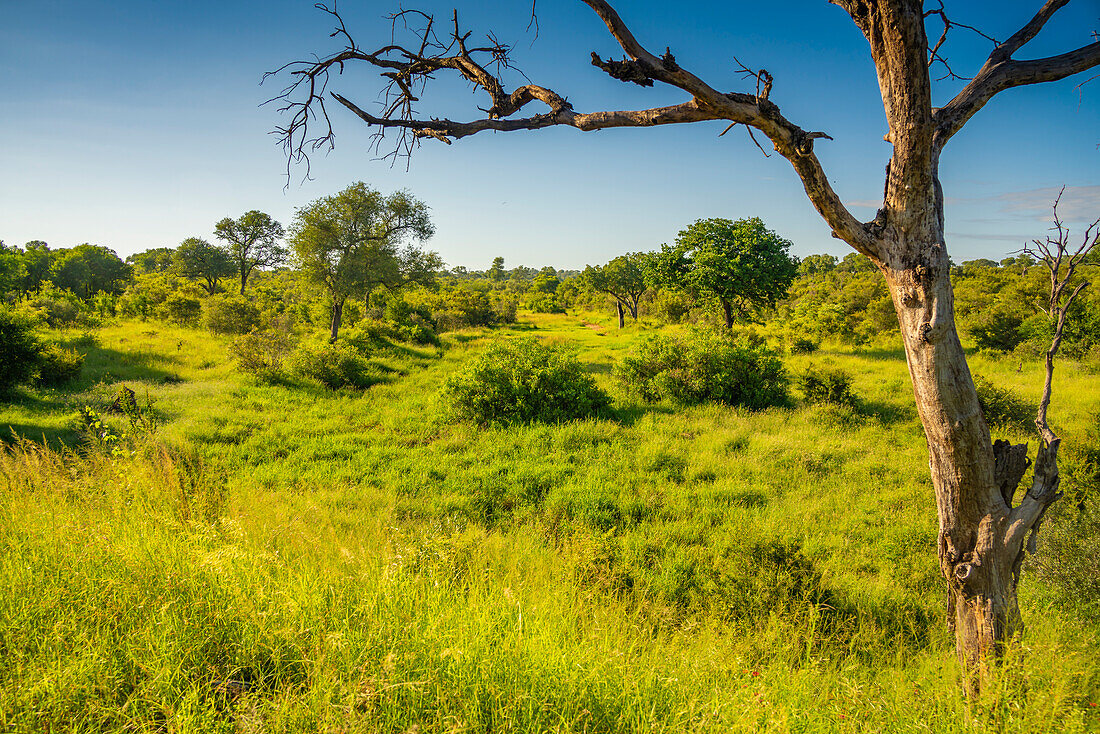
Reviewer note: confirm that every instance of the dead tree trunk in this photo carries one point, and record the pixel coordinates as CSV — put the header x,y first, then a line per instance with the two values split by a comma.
x,y
982,535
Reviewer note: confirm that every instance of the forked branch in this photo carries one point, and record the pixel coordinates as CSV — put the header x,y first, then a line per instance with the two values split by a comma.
x,y
1000,72
408,67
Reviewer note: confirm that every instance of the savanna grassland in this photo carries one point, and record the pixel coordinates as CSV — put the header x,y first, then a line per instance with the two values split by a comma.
x,y
244,556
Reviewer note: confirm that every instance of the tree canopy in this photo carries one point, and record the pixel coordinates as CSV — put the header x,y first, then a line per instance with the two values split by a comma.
x,y
623,278
354,241
742,265
253,242
197,259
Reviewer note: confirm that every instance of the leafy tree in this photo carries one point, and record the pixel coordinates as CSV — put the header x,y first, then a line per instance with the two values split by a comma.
x,y
982,534
37,263
155,260
11,269
817,264
742,264
252,241
89,269
496,272
199,260
855,262
351,242
547,281
623,278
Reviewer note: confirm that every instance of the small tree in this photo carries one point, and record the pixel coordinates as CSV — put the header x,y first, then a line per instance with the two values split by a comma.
x,y
350,243
496,272
623,278
199,260
742,264
252,240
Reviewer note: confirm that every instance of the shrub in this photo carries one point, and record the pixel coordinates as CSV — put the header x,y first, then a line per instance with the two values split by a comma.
x,y
19,348
1069,554
333,365
827,385
544,303
800,345
231,315
1003,408
261,353
705,367
524,380
997,331
57,365
182,309
55,306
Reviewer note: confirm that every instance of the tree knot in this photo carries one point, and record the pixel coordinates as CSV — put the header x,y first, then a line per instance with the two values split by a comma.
x,y
626,70
669,61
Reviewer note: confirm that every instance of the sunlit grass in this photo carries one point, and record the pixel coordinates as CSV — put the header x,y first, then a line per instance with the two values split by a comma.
x,y
284,557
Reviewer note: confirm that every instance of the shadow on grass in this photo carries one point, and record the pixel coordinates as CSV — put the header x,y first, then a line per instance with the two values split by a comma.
x,y
628,415
883,354
112,365
54,437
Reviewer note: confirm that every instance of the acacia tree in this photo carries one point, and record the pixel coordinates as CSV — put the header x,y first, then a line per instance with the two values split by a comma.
x,y
351,242
252,240
982,532
743,265
196,258
623,279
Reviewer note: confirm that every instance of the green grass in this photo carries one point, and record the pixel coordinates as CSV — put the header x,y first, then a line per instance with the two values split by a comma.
x,y
288,558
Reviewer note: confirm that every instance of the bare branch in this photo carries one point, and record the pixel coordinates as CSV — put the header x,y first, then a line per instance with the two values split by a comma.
x,y
1001,72
1062,262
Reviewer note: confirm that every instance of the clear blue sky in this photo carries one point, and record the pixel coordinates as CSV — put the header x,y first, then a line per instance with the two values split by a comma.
x,y
136,124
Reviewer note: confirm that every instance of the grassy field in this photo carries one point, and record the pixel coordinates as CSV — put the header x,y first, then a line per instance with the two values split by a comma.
x,y
288,558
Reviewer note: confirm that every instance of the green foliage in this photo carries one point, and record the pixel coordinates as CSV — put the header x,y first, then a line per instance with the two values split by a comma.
x,y
705,367
19,348
261,353
251,241
827,385
57,365
180,308
997,330
800,345
199,260
230,315
523,380
357,240
88,269
1003,408
56,307
544,303
624,278
742,264
333,365
154,260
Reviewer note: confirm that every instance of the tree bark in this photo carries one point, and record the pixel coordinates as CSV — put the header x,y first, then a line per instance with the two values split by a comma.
x,y
337,314
619,310
727,312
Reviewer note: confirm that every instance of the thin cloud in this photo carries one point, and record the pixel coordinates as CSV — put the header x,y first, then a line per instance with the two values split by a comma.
x,y
1078,203
1018,238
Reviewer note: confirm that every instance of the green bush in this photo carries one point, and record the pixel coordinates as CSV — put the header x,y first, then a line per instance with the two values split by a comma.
x,y
802,346
524,380
19,348
230,315
996,331
540,302
333,365
261,353
180,308
705,367
57,365
1003,408
57,307
827,385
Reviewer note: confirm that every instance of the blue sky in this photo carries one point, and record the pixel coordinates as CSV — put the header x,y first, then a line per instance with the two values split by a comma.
x,y
137,124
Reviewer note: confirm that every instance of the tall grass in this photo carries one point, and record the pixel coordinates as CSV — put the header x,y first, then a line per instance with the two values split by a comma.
x,y
288,558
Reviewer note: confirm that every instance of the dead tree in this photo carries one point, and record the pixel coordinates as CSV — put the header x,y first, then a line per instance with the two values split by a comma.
x,y
981,533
